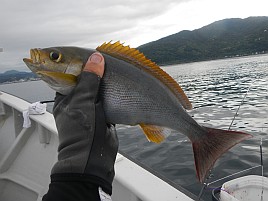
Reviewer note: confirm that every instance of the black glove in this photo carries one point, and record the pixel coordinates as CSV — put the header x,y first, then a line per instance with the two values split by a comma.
x,y
87,145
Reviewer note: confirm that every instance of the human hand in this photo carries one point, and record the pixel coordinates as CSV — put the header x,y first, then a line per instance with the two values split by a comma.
x,y
87,146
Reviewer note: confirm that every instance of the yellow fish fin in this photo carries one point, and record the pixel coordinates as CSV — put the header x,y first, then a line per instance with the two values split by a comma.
x,y
61,78
138,59
155,134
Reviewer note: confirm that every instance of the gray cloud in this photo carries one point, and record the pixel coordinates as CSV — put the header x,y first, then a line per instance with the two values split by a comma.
x,y
66,21
30,23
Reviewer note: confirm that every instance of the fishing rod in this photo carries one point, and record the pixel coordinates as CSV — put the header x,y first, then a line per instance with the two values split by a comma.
x,y
236,113
47,101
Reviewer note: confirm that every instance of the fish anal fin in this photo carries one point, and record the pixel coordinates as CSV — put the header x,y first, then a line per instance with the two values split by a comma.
x,y
138,59
210,147
154,133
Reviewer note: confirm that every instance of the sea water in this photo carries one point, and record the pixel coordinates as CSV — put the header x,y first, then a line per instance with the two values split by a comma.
x,y
216,90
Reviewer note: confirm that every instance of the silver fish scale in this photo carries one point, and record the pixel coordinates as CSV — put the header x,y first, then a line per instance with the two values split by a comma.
x,y
131,96
127,104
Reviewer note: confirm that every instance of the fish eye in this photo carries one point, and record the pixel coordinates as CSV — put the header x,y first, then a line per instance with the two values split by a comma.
x,y
55,56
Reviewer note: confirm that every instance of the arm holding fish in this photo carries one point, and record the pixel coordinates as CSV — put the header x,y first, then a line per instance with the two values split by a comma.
x,y
87,145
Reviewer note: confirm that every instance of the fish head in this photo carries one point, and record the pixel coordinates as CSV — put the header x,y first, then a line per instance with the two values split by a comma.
x,y
58,66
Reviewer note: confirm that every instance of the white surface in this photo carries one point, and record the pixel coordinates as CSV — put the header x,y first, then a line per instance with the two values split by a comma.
x,y
143,184
248,188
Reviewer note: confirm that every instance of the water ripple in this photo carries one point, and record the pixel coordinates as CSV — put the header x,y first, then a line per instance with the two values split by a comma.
x,y
216,90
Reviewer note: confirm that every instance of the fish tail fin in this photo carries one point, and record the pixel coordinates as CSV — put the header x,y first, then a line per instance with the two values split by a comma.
x,y
211,146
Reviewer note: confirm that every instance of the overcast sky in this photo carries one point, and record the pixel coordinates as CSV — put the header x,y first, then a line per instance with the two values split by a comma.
x,y
26,24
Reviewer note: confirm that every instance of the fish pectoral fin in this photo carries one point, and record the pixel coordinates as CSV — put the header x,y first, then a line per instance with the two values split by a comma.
x,y
155,134
60,78
210,147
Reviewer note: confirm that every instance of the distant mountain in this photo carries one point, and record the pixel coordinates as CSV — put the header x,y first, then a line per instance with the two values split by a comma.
x,y
15,76
221,39
11,72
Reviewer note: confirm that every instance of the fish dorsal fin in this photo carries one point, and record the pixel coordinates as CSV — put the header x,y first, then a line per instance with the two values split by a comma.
x,y
155,134
138,59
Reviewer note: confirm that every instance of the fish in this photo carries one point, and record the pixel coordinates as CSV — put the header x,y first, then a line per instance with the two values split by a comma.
x,y
135,91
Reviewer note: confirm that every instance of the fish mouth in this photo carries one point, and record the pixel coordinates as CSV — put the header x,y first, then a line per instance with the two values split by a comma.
x,y
34,57
34,61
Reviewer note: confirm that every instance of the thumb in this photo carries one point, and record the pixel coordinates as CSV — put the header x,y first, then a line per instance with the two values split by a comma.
x,y
95,64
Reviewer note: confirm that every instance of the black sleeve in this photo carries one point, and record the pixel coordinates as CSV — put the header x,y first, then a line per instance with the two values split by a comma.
x,y
72,191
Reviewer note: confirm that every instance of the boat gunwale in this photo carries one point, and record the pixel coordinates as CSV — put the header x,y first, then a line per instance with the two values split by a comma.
x,y
46,119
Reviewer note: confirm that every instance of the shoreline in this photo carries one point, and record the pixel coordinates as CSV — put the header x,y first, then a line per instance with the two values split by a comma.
x,y
234,57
